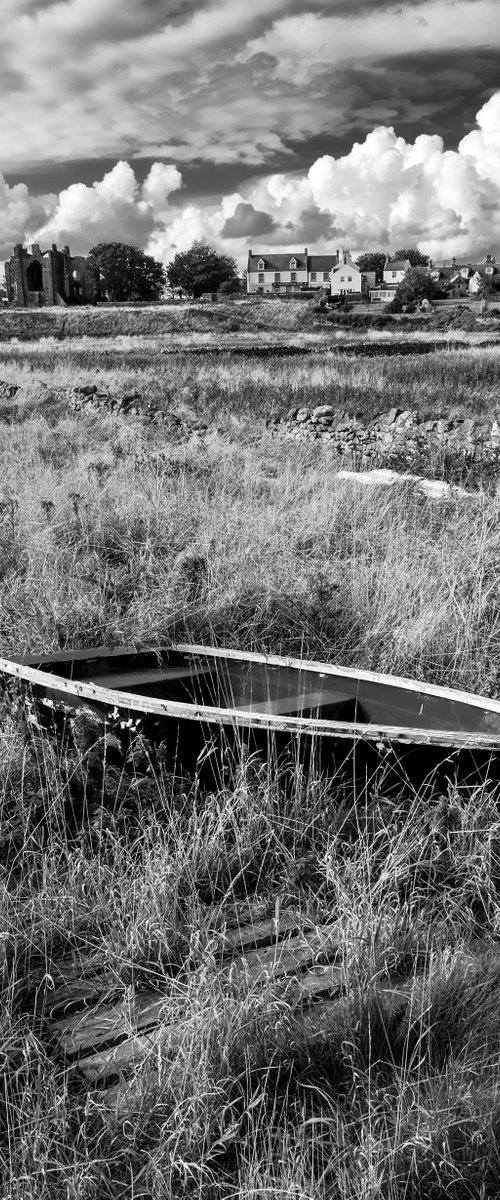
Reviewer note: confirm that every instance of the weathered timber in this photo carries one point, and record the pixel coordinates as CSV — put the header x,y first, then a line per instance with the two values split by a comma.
x,y
293,954
317,1023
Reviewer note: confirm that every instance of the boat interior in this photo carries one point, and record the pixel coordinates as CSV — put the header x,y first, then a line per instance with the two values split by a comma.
x,y
260,687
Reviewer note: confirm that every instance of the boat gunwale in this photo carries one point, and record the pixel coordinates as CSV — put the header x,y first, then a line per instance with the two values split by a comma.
x,y
272,660
271,723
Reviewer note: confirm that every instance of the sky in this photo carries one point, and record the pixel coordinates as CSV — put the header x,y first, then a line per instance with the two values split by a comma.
x,y
355,124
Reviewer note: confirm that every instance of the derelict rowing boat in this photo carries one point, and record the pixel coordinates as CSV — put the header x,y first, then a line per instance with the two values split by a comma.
x,y
186,693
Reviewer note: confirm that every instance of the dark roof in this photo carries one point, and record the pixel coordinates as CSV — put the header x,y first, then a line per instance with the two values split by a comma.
x,y
322,262
277,262
396,264
449,269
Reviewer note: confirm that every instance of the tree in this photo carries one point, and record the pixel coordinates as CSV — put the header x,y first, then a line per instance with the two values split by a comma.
x,y
373,260
416,286
127,272
200,269
415,258
232,287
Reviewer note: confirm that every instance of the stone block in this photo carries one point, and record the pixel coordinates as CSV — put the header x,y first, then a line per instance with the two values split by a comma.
x,y
388,418
323,410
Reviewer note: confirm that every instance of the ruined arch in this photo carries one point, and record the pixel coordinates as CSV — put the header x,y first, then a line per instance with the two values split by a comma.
x,y
34,276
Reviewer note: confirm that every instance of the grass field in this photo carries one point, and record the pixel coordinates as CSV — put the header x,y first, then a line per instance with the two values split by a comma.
x,y
112,530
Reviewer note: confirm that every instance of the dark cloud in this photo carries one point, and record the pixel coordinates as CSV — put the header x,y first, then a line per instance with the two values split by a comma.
x,y
314,226
247,221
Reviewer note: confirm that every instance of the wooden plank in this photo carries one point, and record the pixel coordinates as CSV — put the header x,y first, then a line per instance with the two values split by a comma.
x,y
305,701
290,955
97,1028
135,1050
77,993
153,675
104,1024
258,933
314,1025
128,1055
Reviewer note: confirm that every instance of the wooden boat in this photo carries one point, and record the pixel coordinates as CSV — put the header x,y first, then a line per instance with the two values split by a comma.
x,y
187,695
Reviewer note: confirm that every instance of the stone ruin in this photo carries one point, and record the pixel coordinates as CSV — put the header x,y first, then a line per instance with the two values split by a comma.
x,y
37,278
400,436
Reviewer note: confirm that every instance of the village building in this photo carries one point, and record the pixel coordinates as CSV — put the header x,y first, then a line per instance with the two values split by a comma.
x,y
456,279
393,273
37,278
286,274
347,280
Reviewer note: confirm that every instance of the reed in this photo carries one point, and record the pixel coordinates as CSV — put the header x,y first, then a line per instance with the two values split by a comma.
x,y
110,530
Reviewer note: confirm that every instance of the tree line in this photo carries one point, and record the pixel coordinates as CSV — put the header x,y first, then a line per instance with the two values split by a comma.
x,y
131,275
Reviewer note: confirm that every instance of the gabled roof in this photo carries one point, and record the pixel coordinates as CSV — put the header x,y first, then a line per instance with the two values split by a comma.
x,y
277,262
349,265
397,264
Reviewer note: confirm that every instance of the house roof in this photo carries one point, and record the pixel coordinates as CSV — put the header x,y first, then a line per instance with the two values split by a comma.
x,y
350,265
277,262
460,266
396,264
322,262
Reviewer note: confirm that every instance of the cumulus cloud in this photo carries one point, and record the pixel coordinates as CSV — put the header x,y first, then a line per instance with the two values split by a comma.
x,y
114,208
385,192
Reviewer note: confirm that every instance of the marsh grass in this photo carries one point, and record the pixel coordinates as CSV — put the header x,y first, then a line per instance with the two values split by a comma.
x,y
235,1098
111,532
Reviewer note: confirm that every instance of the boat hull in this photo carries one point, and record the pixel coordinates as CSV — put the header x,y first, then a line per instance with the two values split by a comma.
x,y
206,710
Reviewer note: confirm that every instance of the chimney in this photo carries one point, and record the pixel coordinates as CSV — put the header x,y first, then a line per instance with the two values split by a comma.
x,y
250,253
305,251
488,258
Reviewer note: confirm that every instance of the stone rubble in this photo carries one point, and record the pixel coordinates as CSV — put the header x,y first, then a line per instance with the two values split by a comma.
x,y
399,435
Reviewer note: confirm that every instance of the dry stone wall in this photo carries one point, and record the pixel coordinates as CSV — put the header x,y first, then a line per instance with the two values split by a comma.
x,y
399,436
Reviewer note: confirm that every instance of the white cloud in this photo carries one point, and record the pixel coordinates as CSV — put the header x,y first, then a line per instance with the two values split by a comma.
x,y
386,192
300,44
115,208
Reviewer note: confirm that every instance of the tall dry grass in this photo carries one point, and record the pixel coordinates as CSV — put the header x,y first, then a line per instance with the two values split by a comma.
x,y
232,538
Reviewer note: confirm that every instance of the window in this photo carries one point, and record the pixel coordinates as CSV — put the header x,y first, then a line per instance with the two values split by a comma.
x,y
394,274
261,277
342,278
489,270
261,264
293,277
34,276
313,276
349,278
293,264
326,275
277,277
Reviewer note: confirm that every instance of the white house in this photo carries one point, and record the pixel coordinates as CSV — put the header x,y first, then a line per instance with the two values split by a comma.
x,y
283,274
348,280
395,270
